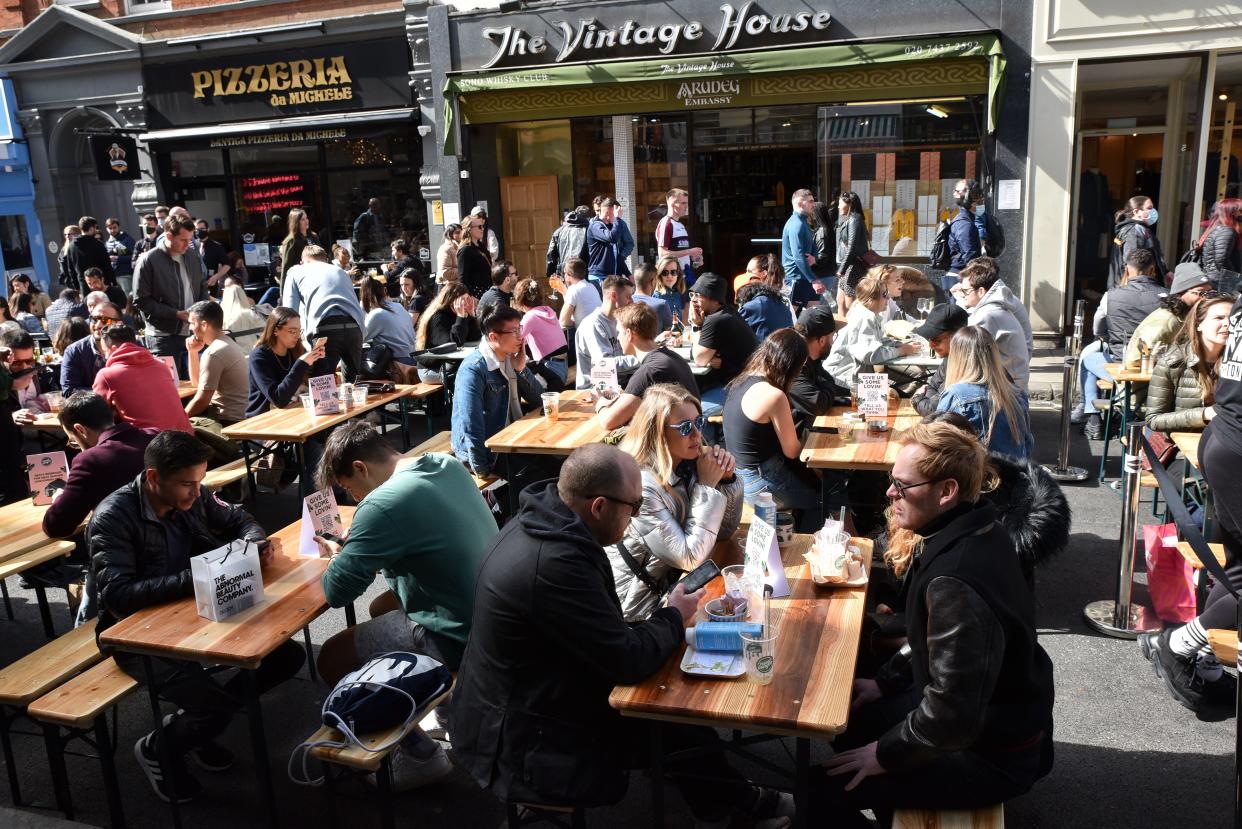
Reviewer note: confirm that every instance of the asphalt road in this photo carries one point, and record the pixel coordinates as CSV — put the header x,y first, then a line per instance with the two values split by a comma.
x,y
1127,754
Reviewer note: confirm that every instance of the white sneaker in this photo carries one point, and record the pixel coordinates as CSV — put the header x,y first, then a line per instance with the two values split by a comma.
x,y
435,726
411,772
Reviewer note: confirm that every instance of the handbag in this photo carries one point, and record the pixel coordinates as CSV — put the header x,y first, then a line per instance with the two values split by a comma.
x,y
376,358
1170,578
1164,449
393,689
870,258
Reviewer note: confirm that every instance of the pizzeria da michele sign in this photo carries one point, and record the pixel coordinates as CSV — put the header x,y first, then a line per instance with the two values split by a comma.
x,y
552,40
342,77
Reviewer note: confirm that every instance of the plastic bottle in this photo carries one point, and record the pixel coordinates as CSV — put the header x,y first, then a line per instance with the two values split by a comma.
x,y
765,508
722,637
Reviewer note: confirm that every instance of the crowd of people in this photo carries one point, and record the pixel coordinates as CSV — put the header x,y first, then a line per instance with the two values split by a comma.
x,y
706,386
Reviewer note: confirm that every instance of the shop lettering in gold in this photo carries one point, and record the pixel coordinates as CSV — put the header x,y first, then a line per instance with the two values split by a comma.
x,y
280,76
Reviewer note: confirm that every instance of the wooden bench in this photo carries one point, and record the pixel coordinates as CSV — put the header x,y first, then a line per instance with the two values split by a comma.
x,y
443,443
1218,550
362,761
22,562
990,817
77,710
1225,645
222,476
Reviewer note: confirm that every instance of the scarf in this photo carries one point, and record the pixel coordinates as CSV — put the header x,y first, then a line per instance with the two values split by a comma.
x,y
506,371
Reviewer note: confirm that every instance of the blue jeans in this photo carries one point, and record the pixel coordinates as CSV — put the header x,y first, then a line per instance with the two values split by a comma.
x,y
791,488
712,401
1090,369
947,280
270,297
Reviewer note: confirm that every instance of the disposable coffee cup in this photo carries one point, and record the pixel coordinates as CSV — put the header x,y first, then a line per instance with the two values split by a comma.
x,y
308,404
360,395
551,405
784,528
759,655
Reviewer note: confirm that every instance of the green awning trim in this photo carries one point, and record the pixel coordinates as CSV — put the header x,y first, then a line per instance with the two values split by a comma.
x,y
983,45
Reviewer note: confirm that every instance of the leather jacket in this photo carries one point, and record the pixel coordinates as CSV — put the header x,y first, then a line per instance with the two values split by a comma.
x,y
130,555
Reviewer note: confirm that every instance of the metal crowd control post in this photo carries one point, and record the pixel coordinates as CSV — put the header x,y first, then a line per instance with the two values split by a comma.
x,y
1063,471
1121,618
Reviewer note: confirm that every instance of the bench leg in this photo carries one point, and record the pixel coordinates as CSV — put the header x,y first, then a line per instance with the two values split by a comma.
x,y
8,604
56,762
657,774
802,781
45,612
405,424
329,785
107,764
310,654
383,782
258,746
351,615
153,692
305,487
7,715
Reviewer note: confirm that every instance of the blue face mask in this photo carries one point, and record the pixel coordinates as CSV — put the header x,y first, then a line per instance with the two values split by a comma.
x,y
980,209
1152,217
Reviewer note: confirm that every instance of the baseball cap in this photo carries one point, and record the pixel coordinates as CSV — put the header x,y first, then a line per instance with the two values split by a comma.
x,y
710,285
943,319
1187,275
817,321
478,211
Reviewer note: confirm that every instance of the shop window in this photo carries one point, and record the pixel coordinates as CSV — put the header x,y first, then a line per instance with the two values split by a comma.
x,y
537,148
903,160
264,201
723,128
358,152
661,162
264,160
140,6
14,243
785,125
401,205
196,163
593,159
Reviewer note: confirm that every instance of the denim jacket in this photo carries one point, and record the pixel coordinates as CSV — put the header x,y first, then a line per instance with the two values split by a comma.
x,y
481,409
973,401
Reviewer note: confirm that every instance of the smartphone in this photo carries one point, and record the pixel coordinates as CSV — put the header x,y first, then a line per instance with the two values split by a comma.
x,y
700,576
321,342
332,537
827,430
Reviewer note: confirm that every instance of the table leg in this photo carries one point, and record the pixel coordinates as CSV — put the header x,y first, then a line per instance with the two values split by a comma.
x,y
511,495
657,776
7,716
405,423
305,487
8,604
258,747
249,469
45,612
153,692
802,781
60,776
310,654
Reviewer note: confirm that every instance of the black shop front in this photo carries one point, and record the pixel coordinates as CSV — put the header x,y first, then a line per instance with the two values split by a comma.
x,y
325,128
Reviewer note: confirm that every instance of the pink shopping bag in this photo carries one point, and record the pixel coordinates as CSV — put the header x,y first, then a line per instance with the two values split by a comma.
x,y
1170,578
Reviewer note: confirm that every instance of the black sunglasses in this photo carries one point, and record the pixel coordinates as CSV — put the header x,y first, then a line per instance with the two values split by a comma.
x,y
901,487
686,426
635,506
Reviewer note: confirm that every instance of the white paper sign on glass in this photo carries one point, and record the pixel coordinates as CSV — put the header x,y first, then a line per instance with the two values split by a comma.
x,y
320,516
761,545
1009,194
324,395
873,394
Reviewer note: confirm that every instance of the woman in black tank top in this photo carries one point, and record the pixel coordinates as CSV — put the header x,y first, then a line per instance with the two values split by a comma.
x,y
760,432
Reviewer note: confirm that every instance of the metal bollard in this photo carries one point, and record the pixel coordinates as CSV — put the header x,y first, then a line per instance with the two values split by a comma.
x,y
1062,471
1122,618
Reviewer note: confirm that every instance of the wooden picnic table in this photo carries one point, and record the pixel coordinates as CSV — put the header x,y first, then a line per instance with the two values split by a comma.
x,y
23,545
50,421
866,449
818,633
1121,373
1188,444
534,434
293,598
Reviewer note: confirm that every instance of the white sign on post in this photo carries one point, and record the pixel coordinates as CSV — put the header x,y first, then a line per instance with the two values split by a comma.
x,y
324,395
873,394
320,516
1009,194
761,545
227,580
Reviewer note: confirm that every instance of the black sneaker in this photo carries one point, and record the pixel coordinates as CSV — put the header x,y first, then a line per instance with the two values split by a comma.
x,y
149,761
211,757
1179,674
1149,644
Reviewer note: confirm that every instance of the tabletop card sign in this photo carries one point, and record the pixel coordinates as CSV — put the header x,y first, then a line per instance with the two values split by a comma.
x,y
761,545
171,362
873,394
320,516
227,580
324,395
604,378
46,474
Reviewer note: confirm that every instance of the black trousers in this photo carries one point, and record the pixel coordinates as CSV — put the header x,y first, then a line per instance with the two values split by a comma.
x,y
1218,461
956,780
208,703
708,799
344,346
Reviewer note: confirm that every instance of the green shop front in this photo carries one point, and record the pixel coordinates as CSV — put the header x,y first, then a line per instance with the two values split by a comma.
x,y
563,108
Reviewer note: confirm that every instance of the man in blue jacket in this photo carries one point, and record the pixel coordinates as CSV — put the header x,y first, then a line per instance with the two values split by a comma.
x,y
609,242
964,244
798,252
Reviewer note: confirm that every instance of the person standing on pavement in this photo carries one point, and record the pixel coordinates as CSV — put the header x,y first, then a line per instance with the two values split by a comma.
x,y
852,245
142,538
166,284
606,238
68,277
521,718
1222,245
491,244
121,252
672,239
323,296
964,243
214,255
295,242
1135,229
87,251
150,238
569,241
798,253
474,264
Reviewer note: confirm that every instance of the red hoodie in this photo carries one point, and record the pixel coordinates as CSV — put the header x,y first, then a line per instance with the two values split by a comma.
x,y
138,387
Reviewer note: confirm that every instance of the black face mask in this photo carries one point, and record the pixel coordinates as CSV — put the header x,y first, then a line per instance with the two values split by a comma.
x,y
151,231
202,234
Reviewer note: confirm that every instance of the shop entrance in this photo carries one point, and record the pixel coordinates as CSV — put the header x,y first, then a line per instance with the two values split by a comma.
x,y
531,213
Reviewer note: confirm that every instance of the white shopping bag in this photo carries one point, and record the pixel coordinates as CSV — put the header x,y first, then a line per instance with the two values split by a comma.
x,y
227,580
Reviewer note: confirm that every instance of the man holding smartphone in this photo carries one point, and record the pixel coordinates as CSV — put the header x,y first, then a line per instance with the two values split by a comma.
x,y
324,298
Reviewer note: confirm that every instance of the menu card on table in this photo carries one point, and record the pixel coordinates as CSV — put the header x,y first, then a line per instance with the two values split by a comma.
x,y
604,378
324,395
873,394
46,475
320,516
761,545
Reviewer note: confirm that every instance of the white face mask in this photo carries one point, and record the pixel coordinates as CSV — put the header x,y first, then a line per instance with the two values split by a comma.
x,y
980,209
1152,217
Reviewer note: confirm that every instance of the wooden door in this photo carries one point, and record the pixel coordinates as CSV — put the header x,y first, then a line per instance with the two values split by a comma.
x,y
531,212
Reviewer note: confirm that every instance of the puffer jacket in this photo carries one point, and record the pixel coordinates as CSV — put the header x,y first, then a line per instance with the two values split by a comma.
x,y
964,244
1128,306
668,537
860,344
569,241
851,245
1174,398
1005,318
1220,251
1129,235
129,549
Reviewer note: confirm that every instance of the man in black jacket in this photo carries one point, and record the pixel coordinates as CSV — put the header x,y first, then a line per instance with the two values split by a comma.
x,y
87,251
142,538
962,716
531,720
813,390
938,330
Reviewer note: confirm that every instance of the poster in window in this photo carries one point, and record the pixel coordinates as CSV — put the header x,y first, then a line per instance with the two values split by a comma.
x,y
116,157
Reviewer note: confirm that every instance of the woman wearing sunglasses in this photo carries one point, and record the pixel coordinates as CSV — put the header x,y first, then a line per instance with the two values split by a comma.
x,y
690,498
759,422
671,285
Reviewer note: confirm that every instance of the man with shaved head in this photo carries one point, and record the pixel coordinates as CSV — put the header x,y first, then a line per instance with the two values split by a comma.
x,y
548,643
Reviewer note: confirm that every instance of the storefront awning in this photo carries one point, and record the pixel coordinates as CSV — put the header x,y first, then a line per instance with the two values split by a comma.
x,y
278,124
717,66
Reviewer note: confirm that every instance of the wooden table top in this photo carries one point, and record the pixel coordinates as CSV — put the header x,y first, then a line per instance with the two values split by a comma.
x,y
534,435
686,352
818,630
867,449
21,528
917,361
295,425
1123,374
293,597
1188,444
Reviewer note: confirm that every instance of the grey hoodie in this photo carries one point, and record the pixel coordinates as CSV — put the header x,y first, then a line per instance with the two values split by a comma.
x,y
1005,318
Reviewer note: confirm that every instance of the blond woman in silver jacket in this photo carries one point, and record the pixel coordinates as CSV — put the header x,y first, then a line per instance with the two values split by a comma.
x,y
691,498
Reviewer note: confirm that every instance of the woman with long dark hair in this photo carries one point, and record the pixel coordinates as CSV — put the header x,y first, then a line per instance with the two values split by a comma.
x,y
280,363
1221,243
1134,228
852,244
295,242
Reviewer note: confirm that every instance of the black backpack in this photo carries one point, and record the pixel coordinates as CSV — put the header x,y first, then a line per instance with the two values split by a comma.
x,y
994,245
940,256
